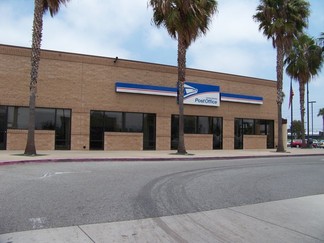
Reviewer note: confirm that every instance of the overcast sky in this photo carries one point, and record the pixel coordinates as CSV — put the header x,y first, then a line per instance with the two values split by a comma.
x,y
124,28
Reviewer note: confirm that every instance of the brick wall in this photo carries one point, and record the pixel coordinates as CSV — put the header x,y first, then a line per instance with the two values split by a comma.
x,y
163,132
254,142
123,141
199,141
84,83
17,139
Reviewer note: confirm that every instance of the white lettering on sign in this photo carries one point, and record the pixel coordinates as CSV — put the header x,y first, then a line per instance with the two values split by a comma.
x,y
206,101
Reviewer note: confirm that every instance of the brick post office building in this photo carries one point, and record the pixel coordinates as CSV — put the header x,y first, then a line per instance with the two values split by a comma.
x,y
97,103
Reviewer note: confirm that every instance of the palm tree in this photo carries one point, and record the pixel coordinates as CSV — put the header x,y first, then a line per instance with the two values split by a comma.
x,y
303,62
185,20
321,40
321,113
41,7
280,21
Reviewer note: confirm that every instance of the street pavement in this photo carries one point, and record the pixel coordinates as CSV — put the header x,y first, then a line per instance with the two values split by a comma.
x,y
292,220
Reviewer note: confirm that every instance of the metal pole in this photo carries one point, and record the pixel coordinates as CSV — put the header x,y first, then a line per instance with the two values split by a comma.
x,y
312,102
312,122
307,116
291,126
291,96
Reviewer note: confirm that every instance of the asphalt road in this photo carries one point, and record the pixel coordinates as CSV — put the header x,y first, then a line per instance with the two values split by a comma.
x,y
35,196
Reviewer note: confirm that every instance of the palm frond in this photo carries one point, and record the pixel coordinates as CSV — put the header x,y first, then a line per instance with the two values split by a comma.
x,y
53,6
188,18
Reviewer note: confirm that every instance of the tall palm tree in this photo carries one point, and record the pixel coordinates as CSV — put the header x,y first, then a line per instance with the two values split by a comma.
x,y
185,20
321,39
281,20
303,62
321,113
41,7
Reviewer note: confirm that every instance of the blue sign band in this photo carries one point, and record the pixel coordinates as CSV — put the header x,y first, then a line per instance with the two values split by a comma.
x,y
241,98
191,90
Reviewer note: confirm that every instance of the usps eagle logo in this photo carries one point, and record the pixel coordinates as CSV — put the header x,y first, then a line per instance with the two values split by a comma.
x,y
189,90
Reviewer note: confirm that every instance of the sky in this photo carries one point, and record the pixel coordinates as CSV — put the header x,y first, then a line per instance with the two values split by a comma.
x,y
124,28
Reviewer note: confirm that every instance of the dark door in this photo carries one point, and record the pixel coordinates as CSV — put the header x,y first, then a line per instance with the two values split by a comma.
x,y
97,131
238,134
3,127
149,128
217,133
270,134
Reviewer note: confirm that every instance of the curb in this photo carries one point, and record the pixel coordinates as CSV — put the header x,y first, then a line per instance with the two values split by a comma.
x,y
147,159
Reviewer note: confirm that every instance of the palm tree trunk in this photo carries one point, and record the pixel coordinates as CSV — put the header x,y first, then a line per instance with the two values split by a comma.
x,y
280,95
302,110
181,79
35,58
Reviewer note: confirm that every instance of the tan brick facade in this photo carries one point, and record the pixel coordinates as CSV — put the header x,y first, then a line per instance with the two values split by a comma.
x,y
83,83
122,141
44,140
254,141
199,141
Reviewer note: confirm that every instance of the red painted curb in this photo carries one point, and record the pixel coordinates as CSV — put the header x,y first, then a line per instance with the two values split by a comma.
x,y
64,160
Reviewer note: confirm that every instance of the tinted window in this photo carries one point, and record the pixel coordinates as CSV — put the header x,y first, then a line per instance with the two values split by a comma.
x,y
18,117
101,121
260,127
217,133
238,133
190,124
45,119
113,121
204,126
198,125
63,129
149,132
248,126
55,119
96,130
133,122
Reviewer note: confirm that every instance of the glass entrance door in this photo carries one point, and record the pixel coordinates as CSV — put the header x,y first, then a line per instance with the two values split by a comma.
x,y
149,128
217,133
3,127
238,134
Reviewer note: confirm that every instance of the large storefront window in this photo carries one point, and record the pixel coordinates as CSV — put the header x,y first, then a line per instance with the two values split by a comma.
x,y
248,127
198,125
55,119
133,122
45,119
18,117
190,124
113,121
205,125
106,121
253,127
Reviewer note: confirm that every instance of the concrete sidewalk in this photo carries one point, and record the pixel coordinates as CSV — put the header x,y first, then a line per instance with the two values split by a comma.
x,y
293,220
16,157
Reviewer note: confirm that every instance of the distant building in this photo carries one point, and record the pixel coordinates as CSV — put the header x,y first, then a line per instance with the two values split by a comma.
x,y
97,103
